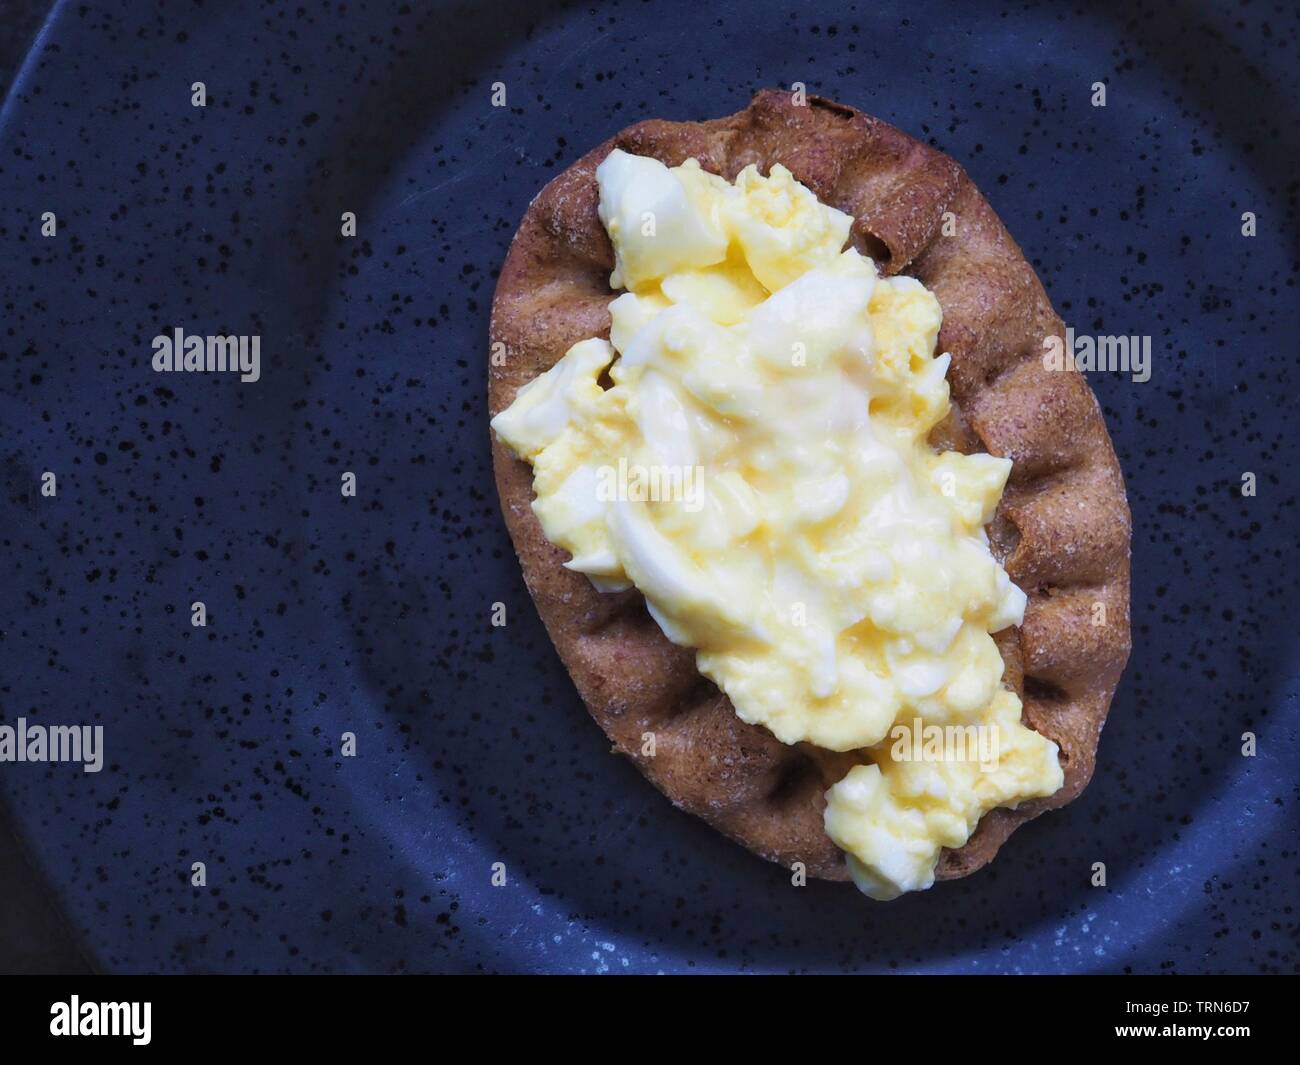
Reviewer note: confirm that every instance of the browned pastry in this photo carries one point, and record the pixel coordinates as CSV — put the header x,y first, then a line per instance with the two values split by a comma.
x,y
1062,530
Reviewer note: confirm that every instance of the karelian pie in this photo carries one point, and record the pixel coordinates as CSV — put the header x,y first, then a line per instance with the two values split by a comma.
x,y
1062,530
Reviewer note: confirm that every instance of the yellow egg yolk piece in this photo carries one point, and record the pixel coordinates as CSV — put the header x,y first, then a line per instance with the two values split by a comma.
x,y
759,470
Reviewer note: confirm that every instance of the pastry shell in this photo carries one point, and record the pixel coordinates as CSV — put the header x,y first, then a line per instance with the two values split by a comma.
x,y
1062,530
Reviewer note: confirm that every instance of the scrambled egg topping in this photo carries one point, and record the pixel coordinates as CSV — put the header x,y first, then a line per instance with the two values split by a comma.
x,y
756,463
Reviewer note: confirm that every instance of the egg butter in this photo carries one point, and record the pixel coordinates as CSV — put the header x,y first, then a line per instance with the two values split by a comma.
x,y
831,570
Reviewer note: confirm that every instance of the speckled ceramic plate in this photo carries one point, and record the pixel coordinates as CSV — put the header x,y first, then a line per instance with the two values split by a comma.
x,y
372,614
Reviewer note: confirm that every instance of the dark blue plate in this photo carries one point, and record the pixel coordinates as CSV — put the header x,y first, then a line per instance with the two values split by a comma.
x,y
372,614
